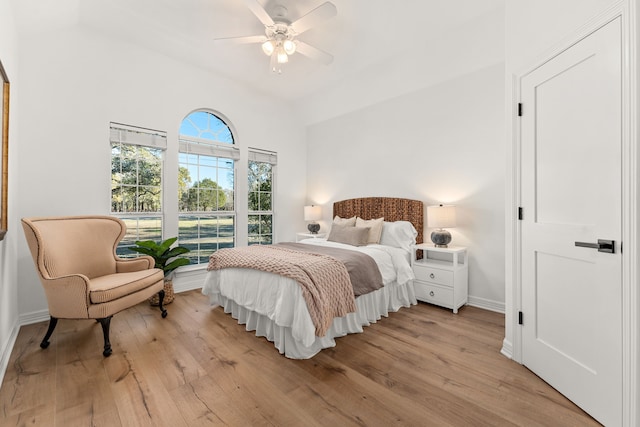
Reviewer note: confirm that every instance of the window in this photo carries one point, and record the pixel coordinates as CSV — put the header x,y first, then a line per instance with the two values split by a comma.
x,y
261,167
136,183
206,185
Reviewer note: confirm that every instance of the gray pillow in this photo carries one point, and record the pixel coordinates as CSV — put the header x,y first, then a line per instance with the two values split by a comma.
x,y
354,236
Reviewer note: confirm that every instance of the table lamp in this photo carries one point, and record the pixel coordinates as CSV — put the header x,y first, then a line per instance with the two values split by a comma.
x,y
441,217
313,213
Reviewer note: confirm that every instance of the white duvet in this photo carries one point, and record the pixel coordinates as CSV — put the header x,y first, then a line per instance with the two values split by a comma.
x,y
280,299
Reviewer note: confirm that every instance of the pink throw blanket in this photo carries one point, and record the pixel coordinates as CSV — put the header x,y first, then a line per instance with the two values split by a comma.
x,y
324,280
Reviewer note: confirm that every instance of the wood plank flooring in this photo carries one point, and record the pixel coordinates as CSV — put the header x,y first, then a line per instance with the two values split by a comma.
x,y
422,366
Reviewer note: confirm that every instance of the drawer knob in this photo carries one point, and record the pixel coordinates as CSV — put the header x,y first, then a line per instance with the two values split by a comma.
x,y
431,293
433,276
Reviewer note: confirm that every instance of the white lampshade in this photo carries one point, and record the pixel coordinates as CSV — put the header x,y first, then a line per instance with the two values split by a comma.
x,y
441,216
268,47
312,213
282,56
289,47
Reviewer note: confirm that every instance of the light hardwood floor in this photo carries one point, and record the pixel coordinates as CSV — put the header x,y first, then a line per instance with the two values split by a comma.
x,y
421,366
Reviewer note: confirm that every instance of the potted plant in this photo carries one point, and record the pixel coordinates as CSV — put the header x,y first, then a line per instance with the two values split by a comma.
x,y
167,259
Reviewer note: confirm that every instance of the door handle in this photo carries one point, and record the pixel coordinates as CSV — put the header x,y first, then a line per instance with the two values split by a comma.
x,y
607,246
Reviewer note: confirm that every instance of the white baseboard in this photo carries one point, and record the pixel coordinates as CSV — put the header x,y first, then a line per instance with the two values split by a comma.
x,y
189,280
34,317
507,349
7,348
486,304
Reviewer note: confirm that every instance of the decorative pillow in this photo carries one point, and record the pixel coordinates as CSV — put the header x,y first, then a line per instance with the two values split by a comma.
x,y
350,235
375,226
399,234
350,222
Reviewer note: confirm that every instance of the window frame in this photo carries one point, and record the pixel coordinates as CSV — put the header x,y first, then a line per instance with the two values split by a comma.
x,y
256,155
141,139
195,146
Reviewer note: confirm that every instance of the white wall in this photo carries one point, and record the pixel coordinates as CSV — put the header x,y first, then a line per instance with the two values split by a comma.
x,y
440,144
8,283
417,64
77,81
433,130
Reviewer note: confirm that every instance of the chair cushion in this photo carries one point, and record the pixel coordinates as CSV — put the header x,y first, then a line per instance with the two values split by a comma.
x,y
113,286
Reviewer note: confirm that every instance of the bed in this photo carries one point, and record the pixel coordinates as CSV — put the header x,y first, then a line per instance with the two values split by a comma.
x,y
274,307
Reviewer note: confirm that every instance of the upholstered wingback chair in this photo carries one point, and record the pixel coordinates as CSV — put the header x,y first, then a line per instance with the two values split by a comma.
x,y
82,276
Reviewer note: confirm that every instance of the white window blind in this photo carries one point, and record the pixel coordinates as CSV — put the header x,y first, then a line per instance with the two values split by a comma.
x,y
263,156
213,150
132,135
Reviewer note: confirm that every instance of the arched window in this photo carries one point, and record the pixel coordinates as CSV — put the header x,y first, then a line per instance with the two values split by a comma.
x,y
206,185
206,126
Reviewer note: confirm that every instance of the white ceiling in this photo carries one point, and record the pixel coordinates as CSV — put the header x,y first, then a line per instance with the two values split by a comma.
x,y
364,33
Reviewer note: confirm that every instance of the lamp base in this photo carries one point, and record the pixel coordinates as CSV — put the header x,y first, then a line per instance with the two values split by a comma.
x,y
313,227
441,238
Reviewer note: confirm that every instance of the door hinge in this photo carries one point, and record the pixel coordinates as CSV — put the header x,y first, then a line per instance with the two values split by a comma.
x,y
519,109
520,318
520,213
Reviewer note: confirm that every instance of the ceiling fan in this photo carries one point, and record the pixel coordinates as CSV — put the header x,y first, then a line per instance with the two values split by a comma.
x,y
280,39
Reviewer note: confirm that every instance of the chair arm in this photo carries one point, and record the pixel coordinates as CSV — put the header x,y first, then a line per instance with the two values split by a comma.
x,y
128,265
68,296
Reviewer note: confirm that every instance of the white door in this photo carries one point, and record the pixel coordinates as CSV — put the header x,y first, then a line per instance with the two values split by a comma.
x,y
571,192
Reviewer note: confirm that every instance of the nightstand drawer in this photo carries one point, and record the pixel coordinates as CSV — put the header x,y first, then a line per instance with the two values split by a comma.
x,y
433,275
433,293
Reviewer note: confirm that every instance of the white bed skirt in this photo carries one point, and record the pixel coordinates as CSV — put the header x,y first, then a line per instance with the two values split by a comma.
x,y
370,308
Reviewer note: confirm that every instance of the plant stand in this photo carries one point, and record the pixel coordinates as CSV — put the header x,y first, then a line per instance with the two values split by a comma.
x,y
168,294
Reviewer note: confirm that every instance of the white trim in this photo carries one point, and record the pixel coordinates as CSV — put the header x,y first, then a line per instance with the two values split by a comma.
x,y
507,349
262,156
188,280
631,387
7,348
34,317
512,225
486,304
512,344
131,135
227,151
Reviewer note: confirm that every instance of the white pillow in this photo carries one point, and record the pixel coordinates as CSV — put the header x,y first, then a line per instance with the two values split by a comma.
x,y
349,222
375,226
399,234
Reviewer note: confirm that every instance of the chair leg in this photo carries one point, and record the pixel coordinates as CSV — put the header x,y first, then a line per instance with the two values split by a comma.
x,y
160,299
52,325
106,322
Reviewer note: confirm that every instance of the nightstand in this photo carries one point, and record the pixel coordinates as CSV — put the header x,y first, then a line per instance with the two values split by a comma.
x,y
306,235
441,275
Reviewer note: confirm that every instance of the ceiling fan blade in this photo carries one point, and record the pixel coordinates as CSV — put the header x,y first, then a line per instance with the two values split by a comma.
x,y
243,40
259,11
313,52
321,13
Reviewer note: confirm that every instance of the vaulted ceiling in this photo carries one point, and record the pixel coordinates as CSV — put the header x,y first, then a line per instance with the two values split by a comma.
x,y
364,33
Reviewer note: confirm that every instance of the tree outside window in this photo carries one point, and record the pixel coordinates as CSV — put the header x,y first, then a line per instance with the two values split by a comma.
x,y
260,202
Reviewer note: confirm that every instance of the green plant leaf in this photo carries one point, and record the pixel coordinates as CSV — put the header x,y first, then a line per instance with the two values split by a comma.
x,y
143,250
166,244
178,250
162,253
175,264
147,244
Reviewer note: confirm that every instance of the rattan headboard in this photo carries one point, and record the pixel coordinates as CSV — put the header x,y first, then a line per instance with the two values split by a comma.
x,y
392,209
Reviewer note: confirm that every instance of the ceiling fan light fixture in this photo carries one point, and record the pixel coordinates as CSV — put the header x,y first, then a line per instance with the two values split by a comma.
x,y
289,47
281,32
283,58
268,47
